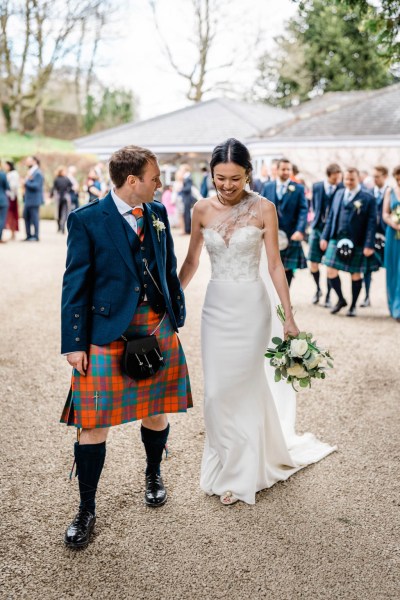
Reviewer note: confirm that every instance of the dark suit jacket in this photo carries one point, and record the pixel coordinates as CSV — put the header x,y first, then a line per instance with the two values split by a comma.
x,y
33,195
101,285
292,209
317,202
4,186
361,225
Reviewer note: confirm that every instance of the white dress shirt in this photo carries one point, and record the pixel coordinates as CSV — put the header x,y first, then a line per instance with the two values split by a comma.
x,y
125,210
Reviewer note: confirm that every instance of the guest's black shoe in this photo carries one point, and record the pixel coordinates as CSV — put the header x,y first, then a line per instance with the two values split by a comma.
x,y
317,296
78,532
327,303
365,303
351,312
156,494
341,304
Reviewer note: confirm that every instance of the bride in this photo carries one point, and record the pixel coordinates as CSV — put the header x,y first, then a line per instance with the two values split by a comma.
x,y
250,440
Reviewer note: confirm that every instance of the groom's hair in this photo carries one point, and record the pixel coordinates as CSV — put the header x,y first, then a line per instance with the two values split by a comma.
x,y
130,160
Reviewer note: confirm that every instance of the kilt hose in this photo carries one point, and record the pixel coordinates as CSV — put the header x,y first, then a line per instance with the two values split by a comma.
x,y
315,253
358,264
293,257
106,397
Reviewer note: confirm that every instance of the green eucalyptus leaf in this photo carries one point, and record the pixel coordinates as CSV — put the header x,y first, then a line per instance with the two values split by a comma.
x,y
276,340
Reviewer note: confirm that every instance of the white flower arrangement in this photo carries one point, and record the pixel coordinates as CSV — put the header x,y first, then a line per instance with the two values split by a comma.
x,y
291,188
298,359
357,206
158,225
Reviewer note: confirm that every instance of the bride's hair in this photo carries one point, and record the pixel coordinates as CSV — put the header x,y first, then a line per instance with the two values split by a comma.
x,y
231,151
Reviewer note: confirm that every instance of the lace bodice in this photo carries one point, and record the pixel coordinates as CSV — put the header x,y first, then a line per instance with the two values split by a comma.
x,y
234,242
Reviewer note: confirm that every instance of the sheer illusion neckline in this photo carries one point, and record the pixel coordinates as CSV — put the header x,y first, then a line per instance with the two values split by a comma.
x,y
237,217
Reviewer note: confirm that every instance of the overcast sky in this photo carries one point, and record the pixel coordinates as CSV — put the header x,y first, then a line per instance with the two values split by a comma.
x,y
135,59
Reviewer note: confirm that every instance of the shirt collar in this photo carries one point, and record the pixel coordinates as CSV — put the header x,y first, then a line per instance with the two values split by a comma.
x,y
327,185
378,190
352,193
280,182
122,206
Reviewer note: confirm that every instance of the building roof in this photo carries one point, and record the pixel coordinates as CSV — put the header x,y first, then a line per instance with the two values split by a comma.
x,y
372,113
195,128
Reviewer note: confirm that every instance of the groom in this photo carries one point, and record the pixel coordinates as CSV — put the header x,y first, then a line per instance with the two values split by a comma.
x,y
120,279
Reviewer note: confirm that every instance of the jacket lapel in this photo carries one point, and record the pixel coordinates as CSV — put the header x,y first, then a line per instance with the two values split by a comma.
x,y
148,214
115,227
337,200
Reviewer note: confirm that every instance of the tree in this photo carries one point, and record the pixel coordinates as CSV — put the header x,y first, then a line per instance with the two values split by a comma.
x,y
36,36
325,48
115,108
203,38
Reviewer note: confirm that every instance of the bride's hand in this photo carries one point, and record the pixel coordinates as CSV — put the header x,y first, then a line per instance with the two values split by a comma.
x,y
290,328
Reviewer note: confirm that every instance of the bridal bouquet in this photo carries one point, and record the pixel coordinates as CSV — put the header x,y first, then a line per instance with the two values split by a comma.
x,y
395,214
298,359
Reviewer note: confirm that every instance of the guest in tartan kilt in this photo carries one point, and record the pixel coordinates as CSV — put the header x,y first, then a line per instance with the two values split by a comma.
x,y
121,280
380,180
291,205
323,193
352,218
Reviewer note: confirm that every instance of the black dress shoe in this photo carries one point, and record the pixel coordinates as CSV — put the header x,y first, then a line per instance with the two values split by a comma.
x,y
351,312
156,494
341,304
327,303
365,303
78,532
317,296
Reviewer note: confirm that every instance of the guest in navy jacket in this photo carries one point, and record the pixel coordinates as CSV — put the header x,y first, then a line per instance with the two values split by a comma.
x,y
33,198
351,223
323,193
291,204
4,201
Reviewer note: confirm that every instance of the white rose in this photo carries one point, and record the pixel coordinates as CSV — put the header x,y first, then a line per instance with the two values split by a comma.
x,y
279,362
298,347
313,361
297,371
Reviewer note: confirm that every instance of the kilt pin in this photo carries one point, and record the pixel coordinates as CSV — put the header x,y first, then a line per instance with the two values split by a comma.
x,y
105,396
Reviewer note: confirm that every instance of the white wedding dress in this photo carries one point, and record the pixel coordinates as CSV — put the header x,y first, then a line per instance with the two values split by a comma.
x,y
250,438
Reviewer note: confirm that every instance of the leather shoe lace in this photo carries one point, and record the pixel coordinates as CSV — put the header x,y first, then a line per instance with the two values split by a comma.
x,y
156,494
78,532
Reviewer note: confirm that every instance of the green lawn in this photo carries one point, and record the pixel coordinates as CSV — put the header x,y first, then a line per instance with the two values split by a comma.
x,y
15,145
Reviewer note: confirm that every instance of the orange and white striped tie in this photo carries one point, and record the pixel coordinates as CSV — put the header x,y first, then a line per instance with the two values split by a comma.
x,y
138,214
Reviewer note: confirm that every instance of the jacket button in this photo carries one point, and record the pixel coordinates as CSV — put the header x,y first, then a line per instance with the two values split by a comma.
x,y
93,307
102,309
145,285
75,326
144,272
76,316
142,248
77,339
137,289
178,297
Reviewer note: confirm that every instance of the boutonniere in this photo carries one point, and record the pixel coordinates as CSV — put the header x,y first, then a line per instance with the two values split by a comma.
x,y
291,188
357,206
158,225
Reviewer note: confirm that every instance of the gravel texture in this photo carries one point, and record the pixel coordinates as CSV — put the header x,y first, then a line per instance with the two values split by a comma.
x,y
329,532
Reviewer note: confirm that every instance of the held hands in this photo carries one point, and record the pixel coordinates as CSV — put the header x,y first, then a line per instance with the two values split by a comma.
x,y
290,327
368,252
79,361
297,236
323,245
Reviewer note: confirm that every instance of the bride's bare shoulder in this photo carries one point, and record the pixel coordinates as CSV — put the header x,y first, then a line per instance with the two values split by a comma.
x,y
204,205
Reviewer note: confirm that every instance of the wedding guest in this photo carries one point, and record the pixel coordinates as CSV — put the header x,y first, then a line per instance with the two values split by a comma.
x,y
391,206
93,186
323,193
366,181
33,198
169,204
4,202
380,180
257,183
187,198
14,182
274,169
61,192
291,204
348,238
206,184
71,174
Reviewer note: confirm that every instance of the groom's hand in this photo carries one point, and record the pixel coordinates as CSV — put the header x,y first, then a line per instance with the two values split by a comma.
x,y
79,361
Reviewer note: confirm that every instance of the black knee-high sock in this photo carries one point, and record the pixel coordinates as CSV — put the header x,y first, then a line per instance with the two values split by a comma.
x,y
154,444
89,461
337,286
355,290
289,276
316,279
329,286
367,282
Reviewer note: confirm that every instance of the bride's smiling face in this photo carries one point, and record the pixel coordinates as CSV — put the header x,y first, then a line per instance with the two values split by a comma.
x,y
230,180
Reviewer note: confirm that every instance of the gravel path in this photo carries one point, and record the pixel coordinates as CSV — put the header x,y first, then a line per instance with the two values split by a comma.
x,y
330,532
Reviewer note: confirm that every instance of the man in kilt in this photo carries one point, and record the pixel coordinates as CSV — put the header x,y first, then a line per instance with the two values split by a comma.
x,y
121,279
291,204
380,180
323,193
351,223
